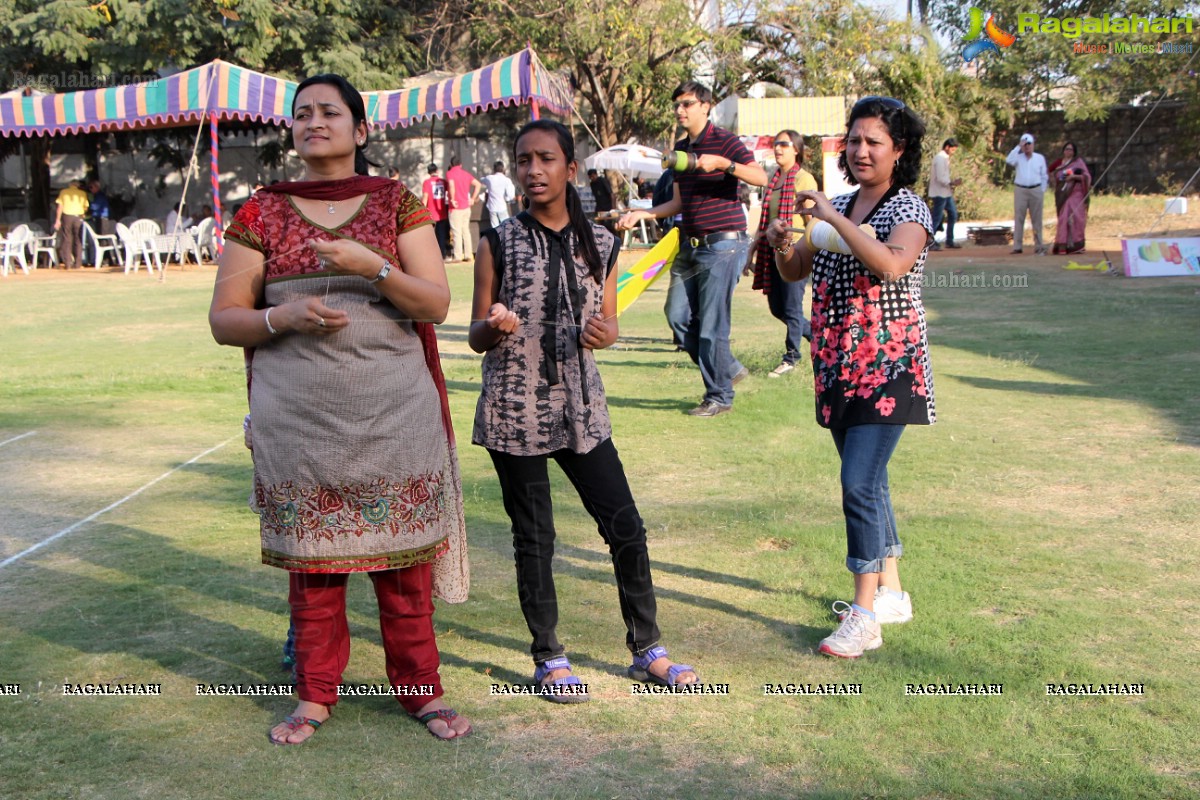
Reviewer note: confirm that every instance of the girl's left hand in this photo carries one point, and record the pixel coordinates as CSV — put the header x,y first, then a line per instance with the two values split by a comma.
x,y
595,333
347,257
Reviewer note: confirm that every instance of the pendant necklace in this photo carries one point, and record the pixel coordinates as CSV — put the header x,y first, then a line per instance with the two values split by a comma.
x,y
329,205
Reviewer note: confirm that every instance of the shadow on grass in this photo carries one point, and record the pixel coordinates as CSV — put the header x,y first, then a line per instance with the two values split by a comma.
x,y
698,573
783,629
1132,340
146,614
1030,387
655,404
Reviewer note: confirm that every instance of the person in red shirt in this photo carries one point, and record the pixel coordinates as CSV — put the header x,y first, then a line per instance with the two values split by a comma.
x,y
434,194
464,190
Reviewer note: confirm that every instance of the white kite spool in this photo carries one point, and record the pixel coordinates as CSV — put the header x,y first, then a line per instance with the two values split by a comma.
x,y
824,236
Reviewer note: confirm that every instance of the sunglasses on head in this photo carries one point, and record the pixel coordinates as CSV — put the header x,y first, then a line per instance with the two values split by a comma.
x,y
886,102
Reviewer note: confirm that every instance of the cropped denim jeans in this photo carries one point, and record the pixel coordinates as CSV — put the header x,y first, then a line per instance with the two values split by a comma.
x,y
870,524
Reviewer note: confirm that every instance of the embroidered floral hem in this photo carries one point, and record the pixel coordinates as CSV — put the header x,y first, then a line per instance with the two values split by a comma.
x,y
365,563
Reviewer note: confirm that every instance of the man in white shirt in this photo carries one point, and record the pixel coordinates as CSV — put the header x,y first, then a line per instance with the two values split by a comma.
x,y
1030,182
500,192
941,190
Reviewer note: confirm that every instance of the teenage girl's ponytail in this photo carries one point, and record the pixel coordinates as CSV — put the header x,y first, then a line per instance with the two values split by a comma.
x,y
584,235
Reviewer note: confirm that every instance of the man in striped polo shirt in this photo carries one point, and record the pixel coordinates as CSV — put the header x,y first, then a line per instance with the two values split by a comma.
x,y
713,243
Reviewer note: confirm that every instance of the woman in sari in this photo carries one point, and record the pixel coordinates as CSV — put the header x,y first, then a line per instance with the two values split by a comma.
x,y
1072,184
333,282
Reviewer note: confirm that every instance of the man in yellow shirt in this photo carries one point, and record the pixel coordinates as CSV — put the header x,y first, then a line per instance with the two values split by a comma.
x,y
72,204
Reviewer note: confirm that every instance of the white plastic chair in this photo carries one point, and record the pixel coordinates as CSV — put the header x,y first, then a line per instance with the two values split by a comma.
x,y
15,246
205,239
145,228
42,242
100,244
133,248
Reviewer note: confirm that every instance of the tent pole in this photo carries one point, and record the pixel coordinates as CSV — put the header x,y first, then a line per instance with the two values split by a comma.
x,y
218,228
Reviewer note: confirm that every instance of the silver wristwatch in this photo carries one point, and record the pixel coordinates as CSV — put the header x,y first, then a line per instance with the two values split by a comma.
x,y
383,272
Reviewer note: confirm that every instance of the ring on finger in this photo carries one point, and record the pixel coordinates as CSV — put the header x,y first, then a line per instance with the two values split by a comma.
x,y
321,322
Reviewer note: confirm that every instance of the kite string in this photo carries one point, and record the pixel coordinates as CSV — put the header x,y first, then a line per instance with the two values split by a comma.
x,y
544,323
1131,136
1164,211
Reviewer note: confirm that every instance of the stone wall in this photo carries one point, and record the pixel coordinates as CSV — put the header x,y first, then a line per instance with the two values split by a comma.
x,y
1158,157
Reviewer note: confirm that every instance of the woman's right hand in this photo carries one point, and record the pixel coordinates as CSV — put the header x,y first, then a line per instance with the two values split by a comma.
x,y
309,316
778,234
502,319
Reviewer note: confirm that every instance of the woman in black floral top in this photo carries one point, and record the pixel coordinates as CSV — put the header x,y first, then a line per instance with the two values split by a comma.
x,y
869,349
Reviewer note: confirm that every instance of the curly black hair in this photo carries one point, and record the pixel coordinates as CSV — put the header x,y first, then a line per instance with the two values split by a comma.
x,y
905,128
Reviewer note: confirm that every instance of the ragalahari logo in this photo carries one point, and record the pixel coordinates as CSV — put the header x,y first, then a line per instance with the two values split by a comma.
x,y
992,36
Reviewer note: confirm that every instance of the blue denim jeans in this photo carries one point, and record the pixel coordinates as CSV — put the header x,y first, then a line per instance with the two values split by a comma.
x,y
709,274
786,302
945,205
676,308
870,524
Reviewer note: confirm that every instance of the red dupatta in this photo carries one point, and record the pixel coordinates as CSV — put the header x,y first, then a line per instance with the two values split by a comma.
x,y
329,190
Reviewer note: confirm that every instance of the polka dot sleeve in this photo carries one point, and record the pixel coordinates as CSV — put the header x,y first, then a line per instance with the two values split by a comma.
x,y
905,207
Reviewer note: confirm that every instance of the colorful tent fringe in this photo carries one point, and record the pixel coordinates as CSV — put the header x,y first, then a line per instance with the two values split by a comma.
x,y
233,92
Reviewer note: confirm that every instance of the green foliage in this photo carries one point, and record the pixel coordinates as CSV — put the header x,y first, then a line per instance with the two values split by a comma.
x,y
829,47
951,103
624,58
1042,71
839,47
365,41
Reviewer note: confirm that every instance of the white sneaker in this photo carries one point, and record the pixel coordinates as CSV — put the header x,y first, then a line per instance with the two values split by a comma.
x,y
889,609
892,609
857,634
783,369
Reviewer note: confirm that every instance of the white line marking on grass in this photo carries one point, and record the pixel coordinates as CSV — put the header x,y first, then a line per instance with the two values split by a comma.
x,y
15,438
105,510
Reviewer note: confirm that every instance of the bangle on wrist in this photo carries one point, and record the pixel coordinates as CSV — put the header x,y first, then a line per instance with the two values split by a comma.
x,y
784,249
267,319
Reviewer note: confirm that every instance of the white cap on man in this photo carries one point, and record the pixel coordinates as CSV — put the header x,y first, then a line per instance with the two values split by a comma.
x,y
1026,138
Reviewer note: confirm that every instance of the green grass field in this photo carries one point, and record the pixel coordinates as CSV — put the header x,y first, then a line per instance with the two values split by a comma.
x,y
1049,521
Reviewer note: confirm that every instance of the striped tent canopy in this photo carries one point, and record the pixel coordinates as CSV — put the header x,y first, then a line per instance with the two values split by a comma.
x,y
520,78
233,92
